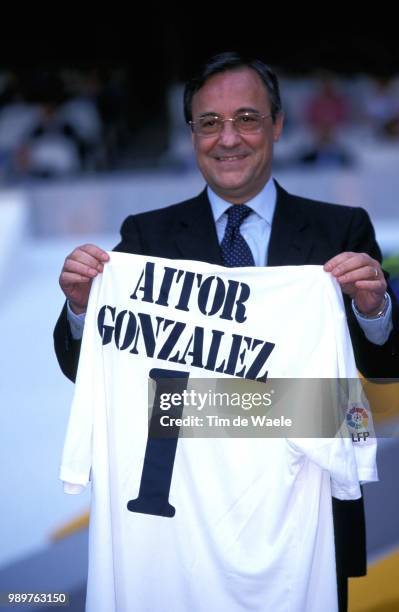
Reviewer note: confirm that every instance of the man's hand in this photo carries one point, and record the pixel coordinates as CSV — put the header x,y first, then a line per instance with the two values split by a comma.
x,y
361,278
80,267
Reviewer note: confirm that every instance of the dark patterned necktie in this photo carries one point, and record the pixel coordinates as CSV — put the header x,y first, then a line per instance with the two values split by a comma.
x,y
235,250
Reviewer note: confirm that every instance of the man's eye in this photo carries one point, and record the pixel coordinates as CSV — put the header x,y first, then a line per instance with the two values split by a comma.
x,y
208,122
247,119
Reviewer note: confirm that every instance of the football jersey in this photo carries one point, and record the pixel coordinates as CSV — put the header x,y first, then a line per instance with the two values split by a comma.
x,y
205,523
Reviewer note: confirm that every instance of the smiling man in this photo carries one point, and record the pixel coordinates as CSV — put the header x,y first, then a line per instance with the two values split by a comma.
x,y
234,131
243,217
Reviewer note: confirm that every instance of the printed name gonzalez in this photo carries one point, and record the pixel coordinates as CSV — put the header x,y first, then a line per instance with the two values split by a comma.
x,y
175,341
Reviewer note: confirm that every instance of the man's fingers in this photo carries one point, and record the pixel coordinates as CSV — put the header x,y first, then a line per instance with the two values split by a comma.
x,y
88,254
82,269
94,251
82,258
349,261
346,263
71,278
338,260
85,261
366,273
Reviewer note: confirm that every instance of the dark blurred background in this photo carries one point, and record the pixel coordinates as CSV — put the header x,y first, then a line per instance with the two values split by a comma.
x,y
107,97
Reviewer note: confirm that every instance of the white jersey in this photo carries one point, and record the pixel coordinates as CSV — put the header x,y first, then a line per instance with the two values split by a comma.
x,y
208,523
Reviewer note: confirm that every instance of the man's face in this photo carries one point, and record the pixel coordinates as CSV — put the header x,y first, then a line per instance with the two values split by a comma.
x,y
236,166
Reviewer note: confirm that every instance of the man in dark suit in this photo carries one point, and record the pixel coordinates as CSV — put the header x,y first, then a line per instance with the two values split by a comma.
x,y
234,110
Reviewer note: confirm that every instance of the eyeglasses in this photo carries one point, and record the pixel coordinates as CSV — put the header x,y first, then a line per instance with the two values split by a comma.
x,y
244,123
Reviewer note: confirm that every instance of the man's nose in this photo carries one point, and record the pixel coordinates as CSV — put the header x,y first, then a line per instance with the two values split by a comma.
x,y
229,136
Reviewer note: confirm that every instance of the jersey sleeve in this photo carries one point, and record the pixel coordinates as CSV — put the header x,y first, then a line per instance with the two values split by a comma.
x,y
357,425
349,456
77,453
357,420
336,456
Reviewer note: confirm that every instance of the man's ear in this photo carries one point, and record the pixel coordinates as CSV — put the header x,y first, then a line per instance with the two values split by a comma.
x,y
278,126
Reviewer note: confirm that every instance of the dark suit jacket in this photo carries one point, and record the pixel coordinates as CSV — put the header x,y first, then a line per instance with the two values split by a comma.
x,y
303,232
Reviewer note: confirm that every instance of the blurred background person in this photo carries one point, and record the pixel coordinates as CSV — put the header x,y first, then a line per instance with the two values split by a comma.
x,y
382,108
327,112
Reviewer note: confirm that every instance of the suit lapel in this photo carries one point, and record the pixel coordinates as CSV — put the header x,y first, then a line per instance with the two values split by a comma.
x,y
196,236
290,240
290,243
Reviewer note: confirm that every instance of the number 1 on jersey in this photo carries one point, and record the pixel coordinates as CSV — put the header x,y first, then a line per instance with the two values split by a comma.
x,y
160,452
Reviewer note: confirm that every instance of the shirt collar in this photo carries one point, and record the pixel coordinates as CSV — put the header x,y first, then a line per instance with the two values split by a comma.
x,y
263,204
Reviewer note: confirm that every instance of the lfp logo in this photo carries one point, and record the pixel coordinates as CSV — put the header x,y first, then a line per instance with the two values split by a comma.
x,y
357,419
